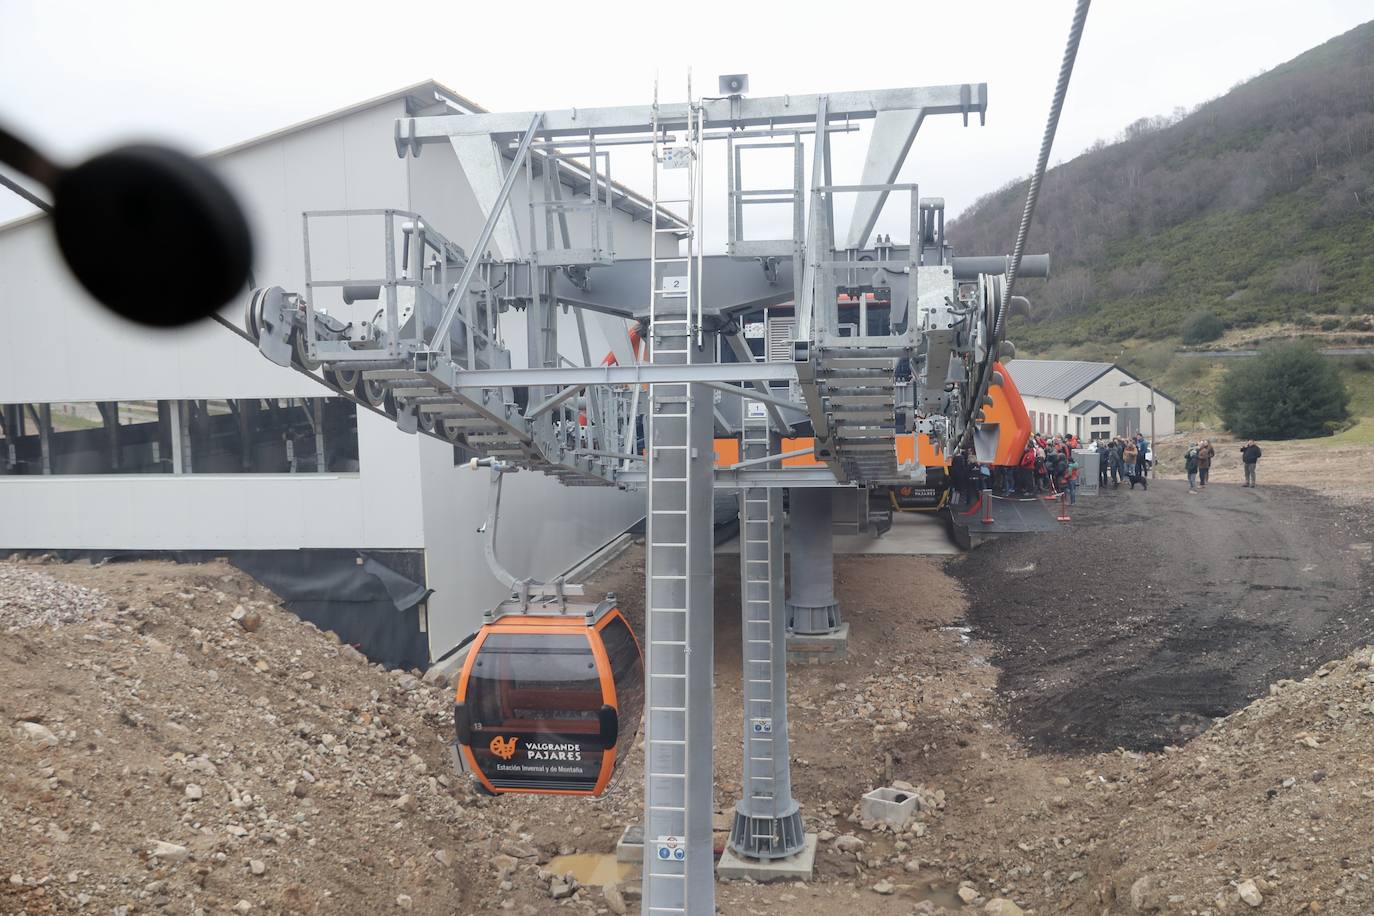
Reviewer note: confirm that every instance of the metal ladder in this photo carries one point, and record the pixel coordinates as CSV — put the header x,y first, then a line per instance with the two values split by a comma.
x,y
675,849
756,580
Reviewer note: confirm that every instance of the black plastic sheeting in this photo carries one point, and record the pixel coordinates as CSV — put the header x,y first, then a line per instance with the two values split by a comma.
x,y
370,604
374,605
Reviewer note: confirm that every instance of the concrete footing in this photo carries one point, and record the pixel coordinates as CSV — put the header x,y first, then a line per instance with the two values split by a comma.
x,y
889,805
630,846
811,649
799,867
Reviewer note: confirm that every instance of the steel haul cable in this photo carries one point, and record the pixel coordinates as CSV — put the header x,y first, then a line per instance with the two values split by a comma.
x,y
1061,89
998,329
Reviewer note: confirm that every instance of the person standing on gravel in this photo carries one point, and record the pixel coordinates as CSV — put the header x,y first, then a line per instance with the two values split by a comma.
x,y
1249,457
1190,465
1025,473
1135,465
1205,454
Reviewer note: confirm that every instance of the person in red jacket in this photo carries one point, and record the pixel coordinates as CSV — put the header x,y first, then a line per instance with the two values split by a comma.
x,y
1025,472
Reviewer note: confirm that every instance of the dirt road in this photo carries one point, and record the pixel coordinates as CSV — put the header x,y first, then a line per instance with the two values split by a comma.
x,y
1157,611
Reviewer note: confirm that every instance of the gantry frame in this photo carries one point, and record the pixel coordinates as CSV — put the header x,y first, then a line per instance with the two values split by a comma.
x,y
434,352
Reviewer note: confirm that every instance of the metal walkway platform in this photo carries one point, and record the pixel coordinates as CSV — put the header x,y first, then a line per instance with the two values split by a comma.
x,y
1010,516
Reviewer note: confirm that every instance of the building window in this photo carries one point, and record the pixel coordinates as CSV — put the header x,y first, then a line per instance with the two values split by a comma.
x,y
242,436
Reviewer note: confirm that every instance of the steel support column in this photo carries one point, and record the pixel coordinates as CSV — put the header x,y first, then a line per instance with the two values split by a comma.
x,y
768,823
812,608
679,864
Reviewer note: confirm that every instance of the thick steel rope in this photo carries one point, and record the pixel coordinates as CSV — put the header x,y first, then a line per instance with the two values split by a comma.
x,y
998,330
1061,89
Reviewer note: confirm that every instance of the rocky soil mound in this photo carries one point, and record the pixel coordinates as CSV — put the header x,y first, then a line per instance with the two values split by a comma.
x,y
189,747
182,745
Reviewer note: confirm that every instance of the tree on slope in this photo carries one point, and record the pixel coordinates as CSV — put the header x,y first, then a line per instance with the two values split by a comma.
x,y
1290,391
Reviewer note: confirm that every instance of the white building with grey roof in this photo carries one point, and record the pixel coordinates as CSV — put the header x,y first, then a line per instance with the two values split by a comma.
x,y
119,439
1091,400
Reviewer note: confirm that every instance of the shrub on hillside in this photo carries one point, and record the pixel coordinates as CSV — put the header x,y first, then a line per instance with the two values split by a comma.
x,y
1289,391
1201,328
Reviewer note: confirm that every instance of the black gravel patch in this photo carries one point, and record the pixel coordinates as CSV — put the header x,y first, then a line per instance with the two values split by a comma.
x,y
1155,612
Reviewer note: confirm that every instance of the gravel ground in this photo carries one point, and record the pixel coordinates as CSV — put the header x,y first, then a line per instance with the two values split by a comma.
x,y
30,597
1156,611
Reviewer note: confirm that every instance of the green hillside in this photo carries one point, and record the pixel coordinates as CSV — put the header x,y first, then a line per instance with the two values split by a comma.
x,y
1257,207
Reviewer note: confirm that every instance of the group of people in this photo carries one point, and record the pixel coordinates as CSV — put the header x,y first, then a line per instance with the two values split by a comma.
x,y
1047,466
1197,462
1124,458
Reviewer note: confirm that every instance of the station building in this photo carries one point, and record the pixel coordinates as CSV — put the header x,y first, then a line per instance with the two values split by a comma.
x,y
115,438
1093,401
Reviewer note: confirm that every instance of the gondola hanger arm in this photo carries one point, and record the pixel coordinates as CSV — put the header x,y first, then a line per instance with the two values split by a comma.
x,y
522,588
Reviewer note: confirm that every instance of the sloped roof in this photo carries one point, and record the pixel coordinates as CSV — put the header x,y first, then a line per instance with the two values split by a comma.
x,y
1060,379
420,97
1088,406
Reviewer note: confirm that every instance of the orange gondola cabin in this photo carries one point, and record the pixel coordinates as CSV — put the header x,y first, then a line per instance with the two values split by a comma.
x,y
549,701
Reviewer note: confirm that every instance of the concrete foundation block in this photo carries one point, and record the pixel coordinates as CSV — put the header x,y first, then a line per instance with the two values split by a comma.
x,y
630,846
799,867
817,649
889,806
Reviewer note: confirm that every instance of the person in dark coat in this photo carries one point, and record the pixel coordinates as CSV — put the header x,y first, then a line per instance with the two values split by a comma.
x,y
959,476
1249,457
1190,465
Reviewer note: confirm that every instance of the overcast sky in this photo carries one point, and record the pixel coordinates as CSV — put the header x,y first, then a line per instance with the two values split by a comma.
x,y
80,76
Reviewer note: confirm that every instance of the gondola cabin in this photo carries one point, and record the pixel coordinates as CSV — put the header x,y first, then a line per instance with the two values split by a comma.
x,y
549,703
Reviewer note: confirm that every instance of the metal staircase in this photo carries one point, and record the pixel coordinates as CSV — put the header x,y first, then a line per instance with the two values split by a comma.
x,y
857,386
409,362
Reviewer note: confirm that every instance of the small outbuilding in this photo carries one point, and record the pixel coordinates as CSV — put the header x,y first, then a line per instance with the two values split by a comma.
x,y
1091,400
